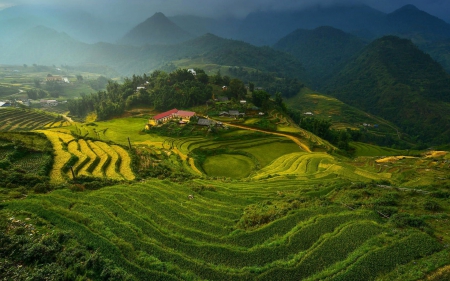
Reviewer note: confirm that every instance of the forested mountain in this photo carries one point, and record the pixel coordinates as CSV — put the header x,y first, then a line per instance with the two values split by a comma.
x,y
393,79
417,25
42,45
157,29
321,51
266,28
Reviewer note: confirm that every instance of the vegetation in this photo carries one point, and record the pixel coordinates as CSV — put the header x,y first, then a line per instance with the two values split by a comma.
x,y
395,80
252,199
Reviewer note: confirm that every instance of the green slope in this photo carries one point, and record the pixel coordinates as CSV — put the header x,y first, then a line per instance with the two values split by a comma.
x,y
322,51
393,79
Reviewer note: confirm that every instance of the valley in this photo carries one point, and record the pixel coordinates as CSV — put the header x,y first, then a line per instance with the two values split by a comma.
x,y
283,142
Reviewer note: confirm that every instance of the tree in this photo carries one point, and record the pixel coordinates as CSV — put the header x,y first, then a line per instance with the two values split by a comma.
x,y
260,97
279,101
217,79
251,87
37,83
236,89
79,78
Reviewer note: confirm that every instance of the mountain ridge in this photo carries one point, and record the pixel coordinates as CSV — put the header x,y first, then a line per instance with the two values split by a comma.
x,y
157,29
395,80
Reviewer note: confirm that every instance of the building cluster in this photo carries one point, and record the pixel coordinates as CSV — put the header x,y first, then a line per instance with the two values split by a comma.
x,y
173,113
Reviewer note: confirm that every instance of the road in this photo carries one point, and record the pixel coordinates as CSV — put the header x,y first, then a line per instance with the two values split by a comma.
x,y
294,139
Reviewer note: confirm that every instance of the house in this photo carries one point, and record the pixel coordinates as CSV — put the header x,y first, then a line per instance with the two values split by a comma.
x,y
223,99
49,103
261,113
233,113
185,115
243,102
192,71
66,80
165,116
224,88
5,104
224,113
204,122
308,113
54,79
173,113
140,88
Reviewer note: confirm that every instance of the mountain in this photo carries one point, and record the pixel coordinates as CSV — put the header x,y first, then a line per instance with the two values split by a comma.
x,y
439,51
77,23
217,50
395,80
417,25
42,45
157,29
266,28
45,46
321,51
223,27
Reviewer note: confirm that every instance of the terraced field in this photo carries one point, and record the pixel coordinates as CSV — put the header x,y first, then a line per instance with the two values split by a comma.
x,y
13,119
155,231
87,158
306,166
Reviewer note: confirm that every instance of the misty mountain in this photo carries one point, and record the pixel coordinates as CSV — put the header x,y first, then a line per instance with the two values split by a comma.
x,y
417,25
42,45
321,51
223,27
394,79
77,23
157,29
266,28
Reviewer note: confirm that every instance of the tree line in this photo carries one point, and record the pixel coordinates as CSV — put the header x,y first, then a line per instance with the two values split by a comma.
x,y
161,90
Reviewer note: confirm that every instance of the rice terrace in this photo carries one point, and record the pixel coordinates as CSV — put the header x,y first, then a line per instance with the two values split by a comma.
x,y
314,145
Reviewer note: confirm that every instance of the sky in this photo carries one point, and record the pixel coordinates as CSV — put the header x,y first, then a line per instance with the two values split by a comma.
x,y
220,8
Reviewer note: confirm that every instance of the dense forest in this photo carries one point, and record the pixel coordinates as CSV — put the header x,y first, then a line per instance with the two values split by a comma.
x,y
163,91
393,79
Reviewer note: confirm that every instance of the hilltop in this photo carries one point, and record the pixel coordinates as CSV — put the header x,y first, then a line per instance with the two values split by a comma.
x,y
322,50
157,29
393,79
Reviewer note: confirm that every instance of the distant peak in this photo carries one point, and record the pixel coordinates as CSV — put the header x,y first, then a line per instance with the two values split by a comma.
x,y
408,7
159,14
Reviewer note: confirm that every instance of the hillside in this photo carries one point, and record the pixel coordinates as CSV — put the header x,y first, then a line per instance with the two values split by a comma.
x,y
321,51
393,79
266,28
341,115
157,29
417,25
319,216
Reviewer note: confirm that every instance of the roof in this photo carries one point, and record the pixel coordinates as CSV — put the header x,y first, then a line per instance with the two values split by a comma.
x,y
204,122
185,113
234,112
165,114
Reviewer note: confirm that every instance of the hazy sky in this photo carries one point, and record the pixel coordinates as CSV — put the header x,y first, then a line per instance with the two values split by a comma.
x,y
212,8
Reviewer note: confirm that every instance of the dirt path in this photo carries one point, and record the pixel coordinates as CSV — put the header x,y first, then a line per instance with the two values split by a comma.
x,y
294,139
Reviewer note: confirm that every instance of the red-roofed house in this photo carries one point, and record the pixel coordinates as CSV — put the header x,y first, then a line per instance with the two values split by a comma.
x,y
185,115
165,116
173,113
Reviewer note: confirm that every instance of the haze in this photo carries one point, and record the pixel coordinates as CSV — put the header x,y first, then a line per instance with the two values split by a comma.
x,y
138,10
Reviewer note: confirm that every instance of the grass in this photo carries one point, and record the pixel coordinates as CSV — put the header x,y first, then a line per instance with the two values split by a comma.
x,y
341,115
266,153
153,227
228,165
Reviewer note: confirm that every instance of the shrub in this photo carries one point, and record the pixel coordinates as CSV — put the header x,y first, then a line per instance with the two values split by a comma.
x,y
405,220
431,206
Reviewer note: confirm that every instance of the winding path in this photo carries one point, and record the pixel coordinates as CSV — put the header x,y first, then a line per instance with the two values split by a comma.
x,y
294,139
